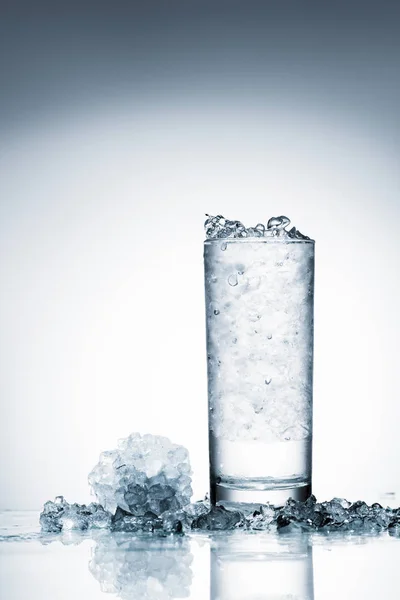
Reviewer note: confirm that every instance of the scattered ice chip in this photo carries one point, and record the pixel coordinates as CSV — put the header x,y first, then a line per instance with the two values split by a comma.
x,y
125,521
394,528
262,518
61,516
144,474
219,519
338,515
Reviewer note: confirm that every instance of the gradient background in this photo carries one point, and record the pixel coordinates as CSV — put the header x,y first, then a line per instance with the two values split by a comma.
x,y
121,124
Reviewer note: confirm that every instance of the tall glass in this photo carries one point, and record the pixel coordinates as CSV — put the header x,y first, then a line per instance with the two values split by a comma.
x,y
259,315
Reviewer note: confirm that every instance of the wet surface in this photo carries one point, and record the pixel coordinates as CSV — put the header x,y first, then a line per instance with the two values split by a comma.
x,y
217,565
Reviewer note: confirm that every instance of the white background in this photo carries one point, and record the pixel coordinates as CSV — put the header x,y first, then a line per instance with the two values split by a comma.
x,y
102,315
119,128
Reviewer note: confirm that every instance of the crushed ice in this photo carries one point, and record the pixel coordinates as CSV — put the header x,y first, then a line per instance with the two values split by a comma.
x,y
145,487
219,227
336,515
62,516
144,474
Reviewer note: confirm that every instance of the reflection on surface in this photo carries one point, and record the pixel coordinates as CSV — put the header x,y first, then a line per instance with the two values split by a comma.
x,y
246,565
143,568
255,567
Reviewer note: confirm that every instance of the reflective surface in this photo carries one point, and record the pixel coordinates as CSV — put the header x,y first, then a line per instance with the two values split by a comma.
x,y
239,565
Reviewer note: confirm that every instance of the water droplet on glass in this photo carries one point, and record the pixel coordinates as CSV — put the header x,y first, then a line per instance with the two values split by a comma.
x,y
234,340
268,381
216,311
233,280
224,246
269,336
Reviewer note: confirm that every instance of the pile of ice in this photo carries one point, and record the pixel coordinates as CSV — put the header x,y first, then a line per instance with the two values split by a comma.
x,y
219,227
149,570
142,486
144,474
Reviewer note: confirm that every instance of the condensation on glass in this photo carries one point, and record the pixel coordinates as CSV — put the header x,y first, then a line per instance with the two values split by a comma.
x,y
259,314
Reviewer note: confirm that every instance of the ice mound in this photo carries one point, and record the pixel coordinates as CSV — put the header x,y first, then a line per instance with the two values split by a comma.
x,y
219,227
144,474
62,516
150,570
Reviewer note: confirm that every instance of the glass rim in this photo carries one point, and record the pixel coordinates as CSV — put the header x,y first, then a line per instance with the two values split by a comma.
x,y
258,240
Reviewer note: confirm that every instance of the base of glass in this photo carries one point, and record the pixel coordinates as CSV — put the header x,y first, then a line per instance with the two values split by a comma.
x,y
248,495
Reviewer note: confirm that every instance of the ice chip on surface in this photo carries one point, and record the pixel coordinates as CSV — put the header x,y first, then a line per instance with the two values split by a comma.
x,y
337,515
124,521
181,520
394,528
219,519
144,474
220,228
261,519
61,516
137,569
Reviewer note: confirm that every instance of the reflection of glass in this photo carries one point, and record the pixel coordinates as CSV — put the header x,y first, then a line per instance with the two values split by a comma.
x,y
259,315
255,567
143,568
